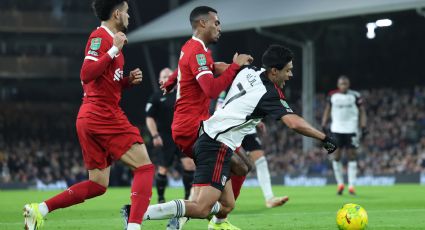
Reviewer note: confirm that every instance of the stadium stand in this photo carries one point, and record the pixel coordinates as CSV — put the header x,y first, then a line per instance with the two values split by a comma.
x,y
33,147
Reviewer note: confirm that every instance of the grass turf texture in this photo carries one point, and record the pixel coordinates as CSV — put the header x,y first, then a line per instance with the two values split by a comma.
x,y
396,207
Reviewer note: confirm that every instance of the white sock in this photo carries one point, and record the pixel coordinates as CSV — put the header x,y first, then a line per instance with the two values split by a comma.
x,y
218,220
133,226
352,173
174,208
263,176
337,165
43,209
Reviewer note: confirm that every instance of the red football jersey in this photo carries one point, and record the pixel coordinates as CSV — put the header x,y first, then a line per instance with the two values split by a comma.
x,y
102,94
192,105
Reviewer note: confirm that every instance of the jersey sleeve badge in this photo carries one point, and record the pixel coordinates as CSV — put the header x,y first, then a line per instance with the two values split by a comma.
x,y
201,59
288,109
95,43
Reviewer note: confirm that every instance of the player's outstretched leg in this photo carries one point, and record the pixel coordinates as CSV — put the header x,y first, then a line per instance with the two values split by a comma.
x,y
96,185
263,176
141,190
190,193
206,204
352,171
338,172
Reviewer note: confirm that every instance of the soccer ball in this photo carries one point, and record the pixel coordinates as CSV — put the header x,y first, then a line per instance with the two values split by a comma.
x,y
351,217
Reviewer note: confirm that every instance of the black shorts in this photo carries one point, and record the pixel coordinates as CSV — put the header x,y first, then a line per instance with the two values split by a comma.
x,y
212,160
167,153
251,142
346,140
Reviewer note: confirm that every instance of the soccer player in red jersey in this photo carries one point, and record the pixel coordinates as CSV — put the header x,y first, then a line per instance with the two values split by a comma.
x,y
196,84
104,132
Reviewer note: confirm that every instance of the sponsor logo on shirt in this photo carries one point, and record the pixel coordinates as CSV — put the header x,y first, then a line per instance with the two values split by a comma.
x,y
201,59
162,99
93,53
95,43
118,74
203,68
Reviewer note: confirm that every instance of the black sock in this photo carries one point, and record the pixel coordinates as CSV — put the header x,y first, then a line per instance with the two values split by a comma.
x,y
187,182
161,183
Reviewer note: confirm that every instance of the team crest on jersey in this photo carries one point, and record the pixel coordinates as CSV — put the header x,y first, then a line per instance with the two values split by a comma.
x,y
201,59
223,180
118,74
95,43
288,109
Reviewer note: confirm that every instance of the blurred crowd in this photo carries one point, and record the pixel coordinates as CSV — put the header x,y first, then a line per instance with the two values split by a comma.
x,y
395,142
38,142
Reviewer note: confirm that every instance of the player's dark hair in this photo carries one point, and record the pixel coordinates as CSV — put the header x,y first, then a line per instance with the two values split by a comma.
x,y
277,56
198,12
104,8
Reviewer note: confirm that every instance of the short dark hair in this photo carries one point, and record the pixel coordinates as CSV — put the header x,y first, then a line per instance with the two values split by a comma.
x,y
199,11
277,56
103,8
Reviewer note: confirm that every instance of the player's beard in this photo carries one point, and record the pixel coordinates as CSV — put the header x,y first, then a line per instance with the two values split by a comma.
x,y
122,27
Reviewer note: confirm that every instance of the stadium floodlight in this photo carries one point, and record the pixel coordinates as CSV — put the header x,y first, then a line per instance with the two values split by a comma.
x,y
371,26
384,22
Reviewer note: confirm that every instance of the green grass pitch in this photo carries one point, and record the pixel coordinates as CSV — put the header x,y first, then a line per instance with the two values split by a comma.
x,y
396,207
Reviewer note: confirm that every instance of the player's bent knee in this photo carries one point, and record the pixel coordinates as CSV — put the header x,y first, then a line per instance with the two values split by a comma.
x,y
136,156
100,176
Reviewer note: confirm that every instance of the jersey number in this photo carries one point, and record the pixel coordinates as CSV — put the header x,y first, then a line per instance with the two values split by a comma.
x,y
242,92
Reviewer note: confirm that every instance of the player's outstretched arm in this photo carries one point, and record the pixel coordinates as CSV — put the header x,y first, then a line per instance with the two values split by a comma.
x,y
220,67
212,86
301,126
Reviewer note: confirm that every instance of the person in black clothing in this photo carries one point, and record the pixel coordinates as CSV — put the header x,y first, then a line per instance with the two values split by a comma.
x,y
159,116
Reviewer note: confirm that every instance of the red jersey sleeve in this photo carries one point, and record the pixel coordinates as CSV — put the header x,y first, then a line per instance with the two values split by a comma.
x,y
201,65
99,54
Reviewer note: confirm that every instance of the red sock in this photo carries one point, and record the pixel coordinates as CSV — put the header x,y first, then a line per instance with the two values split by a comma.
x,y
237,182
75,194
141,192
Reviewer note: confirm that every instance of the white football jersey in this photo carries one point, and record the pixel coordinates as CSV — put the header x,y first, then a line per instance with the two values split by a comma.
x,y
251,97
345,111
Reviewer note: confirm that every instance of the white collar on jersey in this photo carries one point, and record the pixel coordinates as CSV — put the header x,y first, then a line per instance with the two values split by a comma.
x,y
107,30
199,40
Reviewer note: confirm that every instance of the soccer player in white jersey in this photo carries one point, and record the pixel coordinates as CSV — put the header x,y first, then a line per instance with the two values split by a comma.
x,y
255,93
254,150
345,107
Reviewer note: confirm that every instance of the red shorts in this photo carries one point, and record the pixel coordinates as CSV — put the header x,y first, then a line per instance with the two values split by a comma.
x,y
185,140
104,141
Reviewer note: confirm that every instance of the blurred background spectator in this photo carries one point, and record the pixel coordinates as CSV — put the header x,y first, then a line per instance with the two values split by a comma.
x,y
38,141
